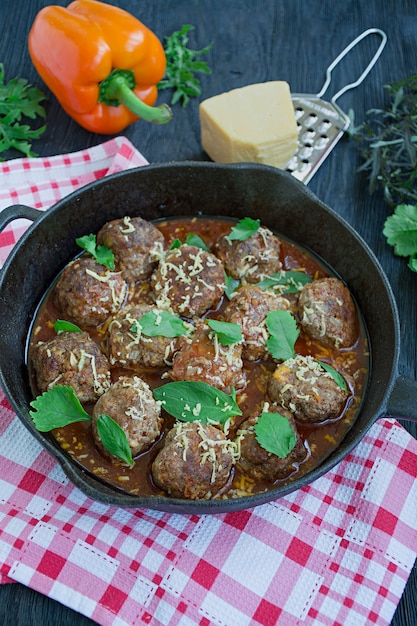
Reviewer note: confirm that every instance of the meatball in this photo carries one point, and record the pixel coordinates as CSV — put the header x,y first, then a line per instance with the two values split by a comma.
x,y
250,260
72,359
309,391
130,403
88,293
129,347
195,462
327,312
249,307
260,464
189,280
133,241
201,358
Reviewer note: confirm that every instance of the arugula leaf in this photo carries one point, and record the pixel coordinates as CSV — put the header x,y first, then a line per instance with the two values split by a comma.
x,y
181,66
161,324
400,229
114,438
63,325
244,229
19,99
284,332
338,378
192,401
291,281
227,332
274,433
56,408
102,254
231,285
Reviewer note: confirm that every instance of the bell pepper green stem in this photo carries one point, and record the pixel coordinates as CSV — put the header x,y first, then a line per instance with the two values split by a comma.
x,y
117,89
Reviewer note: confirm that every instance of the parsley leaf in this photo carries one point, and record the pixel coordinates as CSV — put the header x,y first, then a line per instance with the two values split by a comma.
x,y
56,408
284,332
244,229
161,324
400,229
274,433
182,64
227,332
231,285
192,401
19,99
114,438
102,254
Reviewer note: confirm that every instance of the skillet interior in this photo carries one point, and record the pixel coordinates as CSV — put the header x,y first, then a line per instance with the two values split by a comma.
x,y
178,189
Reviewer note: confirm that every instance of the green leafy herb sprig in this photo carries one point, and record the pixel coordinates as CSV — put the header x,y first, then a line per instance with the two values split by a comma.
x,y
161,324
18,100
182,65
189,401
102,254
273,432
60,407
244,229
388,143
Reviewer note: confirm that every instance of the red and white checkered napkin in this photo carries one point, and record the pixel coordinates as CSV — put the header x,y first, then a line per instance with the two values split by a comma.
x,y
337,552
41,182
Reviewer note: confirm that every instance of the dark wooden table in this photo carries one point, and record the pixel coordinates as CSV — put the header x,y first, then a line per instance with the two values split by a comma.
x,y
253,41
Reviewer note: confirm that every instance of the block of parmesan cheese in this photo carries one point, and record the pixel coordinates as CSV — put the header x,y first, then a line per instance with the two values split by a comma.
x,y
255,123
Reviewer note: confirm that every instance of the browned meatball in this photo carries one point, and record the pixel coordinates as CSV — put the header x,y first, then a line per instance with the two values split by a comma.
x,y
72,359
128,347
201,358
130,403
260,464
327,312
304,387
189,280
133,241
249,307
252,259
195,462
88,293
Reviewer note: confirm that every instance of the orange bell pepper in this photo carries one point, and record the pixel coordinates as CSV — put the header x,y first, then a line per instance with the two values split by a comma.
x,y
101,63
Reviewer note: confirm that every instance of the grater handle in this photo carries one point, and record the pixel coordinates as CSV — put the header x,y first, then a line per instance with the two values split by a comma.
x,y
344,53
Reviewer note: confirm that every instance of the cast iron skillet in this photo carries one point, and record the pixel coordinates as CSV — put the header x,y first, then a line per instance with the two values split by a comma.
x,y
178,189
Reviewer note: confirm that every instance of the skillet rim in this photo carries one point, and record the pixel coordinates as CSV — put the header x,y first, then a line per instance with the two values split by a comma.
x,y
97,490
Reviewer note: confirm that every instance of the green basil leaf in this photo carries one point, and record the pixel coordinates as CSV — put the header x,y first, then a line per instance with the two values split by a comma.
x,y
102,254
231,285
227,332
274,433
284,332
56,408
338,378
195,240
291,281
63,325
244,229
161,324
175,244
114,438
192,401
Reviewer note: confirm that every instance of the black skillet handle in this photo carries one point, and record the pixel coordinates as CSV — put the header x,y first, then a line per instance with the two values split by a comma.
x,y
18,211
402,401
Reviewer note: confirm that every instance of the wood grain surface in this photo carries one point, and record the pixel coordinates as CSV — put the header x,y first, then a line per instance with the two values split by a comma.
x,y
253,41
